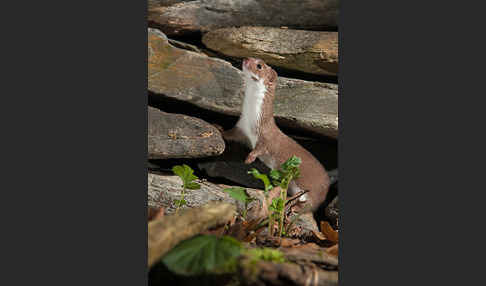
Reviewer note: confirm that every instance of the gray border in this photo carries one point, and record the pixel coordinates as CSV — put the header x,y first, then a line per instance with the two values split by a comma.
x,y
75,144
406,198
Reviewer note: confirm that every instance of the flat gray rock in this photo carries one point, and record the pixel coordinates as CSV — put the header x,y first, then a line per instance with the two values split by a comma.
x,y
180,136
214,84
164,189
307,51
205,15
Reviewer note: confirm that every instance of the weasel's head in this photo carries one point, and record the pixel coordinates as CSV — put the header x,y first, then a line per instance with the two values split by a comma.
x,y
255,70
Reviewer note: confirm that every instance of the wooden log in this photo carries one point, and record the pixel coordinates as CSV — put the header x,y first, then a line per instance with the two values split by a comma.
x,y
265,273
167,232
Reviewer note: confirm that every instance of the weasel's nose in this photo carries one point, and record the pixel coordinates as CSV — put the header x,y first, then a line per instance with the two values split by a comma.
x,y
245,62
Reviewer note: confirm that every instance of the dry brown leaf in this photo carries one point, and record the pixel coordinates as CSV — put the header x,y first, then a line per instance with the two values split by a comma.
x,y
333,250
155,213
268,241
288,242
329,232
319,235
252,236
218,231
308,246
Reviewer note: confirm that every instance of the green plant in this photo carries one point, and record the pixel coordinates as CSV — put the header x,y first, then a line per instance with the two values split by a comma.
x,y
282,177
204,254
263,178
268,186
239,194
209,254
276,209
265,254
186,174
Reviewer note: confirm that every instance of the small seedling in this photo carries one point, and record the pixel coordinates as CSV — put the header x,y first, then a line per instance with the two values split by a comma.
x,y
282,177
276,209
263,178
239,194
186,174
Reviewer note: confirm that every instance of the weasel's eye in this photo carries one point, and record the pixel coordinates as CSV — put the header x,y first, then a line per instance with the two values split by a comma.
x,y
259,66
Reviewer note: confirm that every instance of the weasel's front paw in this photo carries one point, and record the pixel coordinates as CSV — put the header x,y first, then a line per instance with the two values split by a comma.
x,y
250,158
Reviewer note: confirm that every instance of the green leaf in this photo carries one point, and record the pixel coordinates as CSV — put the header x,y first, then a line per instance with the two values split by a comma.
x,y
292,162
277,204
261,177
203,254
274,203
238,193
179,171
275,175
193,186
185,173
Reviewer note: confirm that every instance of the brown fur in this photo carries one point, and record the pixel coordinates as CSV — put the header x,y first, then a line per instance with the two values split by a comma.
x,y
273,143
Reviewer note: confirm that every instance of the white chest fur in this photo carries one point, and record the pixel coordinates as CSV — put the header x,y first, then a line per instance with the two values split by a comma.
x,y
252,107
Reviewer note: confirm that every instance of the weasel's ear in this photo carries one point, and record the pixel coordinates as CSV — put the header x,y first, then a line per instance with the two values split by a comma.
x,y
273,76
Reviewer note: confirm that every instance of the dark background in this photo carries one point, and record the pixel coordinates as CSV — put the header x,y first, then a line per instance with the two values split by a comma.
x,y
73,121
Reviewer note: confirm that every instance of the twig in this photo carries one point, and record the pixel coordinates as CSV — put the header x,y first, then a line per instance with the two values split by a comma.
x,y
292,200
296,196
164,234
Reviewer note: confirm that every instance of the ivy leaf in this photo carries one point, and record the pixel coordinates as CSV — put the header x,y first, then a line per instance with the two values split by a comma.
x,y
238,193
203,254
261,177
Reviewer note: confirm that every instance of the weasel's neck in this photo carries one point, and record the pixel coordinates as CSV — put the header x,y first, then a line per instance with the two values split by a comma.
x,y
257,110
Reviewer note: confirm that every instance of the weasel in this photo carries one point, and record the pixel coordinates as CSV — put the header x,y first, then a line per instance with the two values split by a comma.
x,y
257,129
